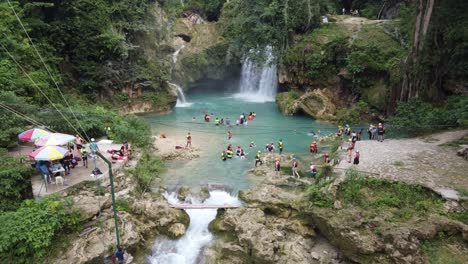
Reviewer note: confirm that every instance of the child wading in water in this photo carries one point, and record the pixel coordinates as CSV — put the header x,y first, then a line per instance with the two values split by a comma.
x,y
189,140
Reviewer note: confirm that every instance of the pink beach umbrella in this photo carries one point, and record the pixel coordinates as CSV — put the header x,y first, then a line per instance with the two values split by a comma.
x,y
33,134
54,139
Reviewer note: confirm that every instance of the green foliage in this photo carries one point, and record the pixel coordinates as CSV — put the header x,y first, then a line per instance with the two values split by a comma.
x,y
318,198
28,233
209,9
123,205
416,116
378,196
445,248
15,182
148,169
252,24
319,54
133,130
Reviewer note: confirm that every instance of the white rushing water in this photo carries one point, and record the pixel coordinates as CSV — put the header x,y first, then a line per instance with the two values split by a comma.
x,y
188,248
181,101
259,83
175,55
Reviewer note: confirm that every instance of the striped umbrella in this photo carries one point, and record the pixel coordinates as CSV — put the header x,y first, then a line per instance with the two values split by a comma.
x,y
54,139
48,153
33,134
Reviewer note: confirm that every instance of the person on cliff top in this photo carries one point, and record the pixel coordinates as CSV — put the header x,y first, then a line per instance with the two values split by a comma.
x,y
380,132
280,146
356,158
258,158
313,170
189,140
277,167
295,165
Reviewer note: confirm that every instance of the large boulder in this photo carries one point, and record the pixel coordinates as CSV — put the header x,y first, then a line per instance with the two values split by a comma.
x,y
317,103
91,206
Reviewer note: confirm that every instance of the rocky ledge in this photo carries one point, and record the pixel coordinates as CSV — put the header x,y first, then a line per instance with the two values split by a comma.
x,y
283,224
139,220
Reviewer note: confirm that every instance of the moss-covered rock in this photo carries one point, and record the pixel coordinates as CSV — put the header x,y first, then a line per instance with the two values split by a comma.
x,y
316,103
352,58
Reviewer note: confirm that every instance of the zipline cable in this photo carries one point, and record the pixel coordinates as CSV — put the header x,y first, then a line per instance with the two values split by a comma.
x,y
37,86
47,69
25,117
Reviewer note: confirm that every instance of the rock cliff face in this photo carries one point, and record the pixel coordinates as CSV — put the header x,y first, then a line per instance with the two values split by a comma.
x,y
280,225
144,218
339,64
203,53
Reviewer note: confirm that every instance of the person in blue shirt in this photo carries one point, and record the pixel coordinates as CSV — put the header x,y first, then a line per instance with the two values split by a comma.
x,y
119,256
93,146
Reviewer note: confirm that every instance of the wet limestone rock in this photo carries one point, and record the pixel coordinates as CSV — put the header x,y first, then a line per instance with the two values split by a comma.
x,y
95,245
317,103
176,230
156,213
264,239
90,205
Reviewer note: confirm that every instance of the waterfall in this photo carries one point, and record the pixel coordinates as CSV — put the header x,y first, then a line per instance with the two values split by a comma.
x,y
188,248
181,101
176,54
259,83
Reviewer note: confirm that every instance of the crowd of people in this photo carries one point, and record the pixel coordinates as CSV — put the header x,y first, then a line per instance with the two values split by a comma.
x,y
346,134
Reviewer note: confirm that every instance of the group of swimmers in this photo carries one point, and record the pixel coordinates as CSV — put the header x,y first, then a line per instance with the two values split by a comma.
x,y
243,119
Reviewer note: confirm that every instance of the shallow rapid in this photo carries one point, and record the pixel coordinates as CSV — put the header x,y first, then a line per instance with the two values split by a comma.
x,y
187,249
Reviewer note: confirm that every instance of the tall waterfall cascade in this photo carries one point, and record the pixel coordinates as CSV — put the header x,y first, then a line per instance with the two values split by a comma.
x,y
259,83
181,100
188,248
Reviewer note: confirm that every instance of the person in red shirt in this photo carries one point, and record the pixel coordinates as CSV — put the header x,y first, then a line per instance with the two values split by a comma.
x,y
313,147
327,158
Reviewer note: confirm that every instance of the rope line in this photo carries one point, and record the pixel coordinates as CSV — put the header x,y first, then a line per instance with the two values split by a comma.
x,y
25,117
37,86
47,68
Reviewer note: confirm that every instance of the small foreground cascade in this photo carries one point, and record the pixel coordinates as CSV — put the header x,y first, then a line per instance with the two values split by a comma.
x,y
188,248
259,83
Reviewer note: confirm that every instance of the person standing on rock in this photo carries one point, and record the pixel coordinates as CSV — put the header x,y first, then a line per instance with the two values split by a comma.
x,y
295,165
258,158
277,167
189,140
380,132
356,158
